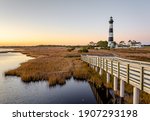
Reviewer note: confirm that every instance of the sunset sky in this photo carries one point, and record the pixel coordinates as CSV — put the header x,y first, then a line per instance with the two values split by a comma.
x,y
72,22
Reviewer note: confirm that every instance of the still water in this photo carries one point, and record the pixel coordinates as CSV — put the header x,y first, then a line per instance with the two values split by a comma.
x,y
15,91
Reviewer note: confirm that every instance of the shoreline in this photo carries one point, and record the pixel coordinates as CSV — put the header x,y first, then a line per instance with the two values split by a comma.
x,y
10,51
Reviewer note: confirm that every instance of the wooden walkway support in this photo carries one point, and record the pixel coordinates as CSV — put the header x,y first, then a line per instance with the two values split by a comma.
x,y
135,73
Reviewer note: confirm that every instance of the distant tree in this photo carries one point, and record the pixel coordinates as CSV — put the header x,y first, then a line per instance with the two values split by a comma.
x,y
102,44
90,47
71,49
83,50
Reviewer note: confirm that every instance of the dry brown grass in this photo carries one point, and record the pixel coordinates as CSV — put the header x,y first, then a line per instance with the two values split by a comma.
x,y
49,64
81,70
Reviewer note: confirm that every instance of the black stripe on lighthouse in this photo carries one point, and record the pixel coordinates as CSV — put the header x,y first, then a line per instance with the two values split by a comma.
x,y
110,39
110,30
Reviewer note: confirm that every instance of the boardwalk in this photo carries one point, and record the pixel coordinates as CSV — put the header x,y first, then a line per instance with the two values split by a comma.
x,y
136,73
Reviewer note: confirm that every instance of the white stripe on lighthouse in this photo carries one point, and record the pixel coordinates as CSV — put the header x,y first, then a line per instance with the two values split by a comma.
x,y
110,34
111,26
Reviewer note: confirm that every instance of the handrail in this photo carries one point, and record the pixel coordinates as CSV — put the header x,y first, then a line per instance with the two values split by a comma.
x,y
136,73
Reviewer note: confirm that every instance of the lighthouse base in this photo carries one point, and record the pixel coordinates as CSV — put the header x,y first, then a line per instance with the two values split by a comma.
x,y
111,44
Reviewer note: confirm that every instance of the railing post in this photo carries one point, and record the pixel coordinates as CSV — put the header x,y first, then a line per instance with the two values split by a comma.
x,y
128,73
103,64
111,67
136,95
121,88
100,63
108,78
93,67
106,65
96,68
141,77
93,60
90,60
115,83
118,70
97,61
100,71
108,75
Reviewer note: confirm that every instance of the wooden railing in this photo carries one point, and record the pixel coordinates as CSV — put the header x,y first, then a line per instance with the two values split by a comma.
x,y
136,73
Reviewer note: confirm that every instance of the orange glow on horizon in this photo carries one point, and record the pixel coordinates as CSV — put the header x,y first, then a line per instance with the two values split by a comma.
x,y
40,38
40,41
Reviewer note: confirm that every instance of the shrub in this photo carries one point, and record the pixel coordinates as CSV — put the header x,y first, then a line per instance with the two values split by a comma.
x,y
83,50
71,49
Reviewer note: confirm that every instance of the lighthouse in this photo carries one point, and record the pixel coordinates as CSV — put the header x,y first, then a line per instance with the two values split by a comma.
x,y
111,38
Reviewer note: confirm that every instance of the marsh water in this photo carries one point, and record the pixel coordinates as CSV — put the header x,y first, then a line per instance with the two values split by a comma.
x,y
14,90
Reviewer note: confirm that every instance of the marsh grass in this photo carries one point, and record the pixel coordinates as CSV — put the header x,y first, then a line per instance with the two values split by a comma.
x,y
52,64
81,71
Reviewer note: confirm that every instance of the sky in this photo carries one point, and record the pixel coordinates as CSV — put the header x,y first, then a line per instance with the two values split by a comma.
x,y
72,22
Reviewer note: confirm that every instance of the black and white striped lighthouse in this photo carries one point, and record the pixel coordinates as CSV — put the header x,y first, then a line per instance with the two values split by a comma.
x,y
110,38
